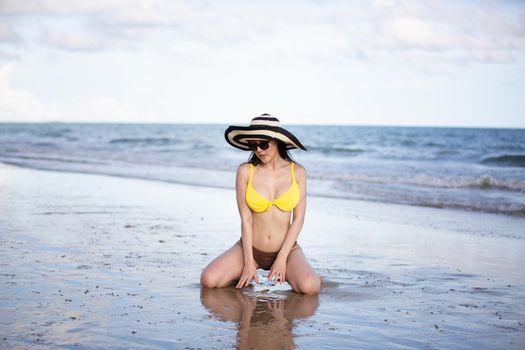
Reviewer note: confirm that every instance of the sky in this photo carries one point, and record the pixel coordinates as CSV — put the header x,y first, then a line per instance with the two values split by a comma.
x,y
388,62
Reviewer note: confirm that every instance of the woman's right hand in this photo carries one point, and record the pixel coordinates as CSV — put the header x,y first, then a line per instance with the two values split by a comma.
x,y
248,272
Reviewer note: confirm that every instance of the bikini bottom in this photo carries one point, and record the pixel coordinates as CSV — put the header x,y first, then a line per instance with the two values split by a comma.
x,y
264,259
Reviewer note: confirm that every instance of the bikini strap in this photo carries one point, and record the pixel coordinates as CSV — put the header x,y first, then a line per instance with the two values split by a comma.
x,y
293,172
251,173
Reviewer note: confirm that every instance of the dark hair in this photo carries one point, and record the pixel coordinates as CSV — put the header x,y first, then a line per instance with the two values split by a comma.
x,y
283,152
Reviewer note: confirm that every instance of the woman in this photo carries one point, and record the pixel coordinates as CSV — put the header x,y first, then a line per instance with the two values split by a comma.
x,y
269,230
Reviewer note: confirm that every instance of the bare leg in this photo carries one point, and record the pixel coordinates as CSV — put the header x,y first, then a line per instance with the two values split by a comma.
x,y
224,269
300,274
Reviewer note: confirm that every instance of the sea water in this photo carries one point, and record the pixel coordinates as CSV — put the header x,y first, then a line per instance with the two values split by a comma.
x,y
463,168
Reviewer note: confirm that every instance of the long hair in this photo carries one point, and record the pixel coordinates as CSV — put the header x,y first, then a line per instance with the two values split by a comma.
x,y
283,152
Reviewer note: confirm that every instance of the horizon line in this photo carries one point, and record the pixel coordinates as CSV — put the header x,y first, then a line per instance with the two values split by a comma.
x,y
284,124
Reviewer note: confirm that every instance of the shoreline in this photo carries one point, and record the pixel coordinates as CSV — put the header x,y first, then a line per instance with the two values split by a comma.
x,y
104,261
516,213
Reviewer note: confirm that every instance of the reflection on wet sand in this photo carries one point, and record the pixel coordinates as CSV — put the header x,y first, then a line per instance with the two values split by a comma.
x,y
264,321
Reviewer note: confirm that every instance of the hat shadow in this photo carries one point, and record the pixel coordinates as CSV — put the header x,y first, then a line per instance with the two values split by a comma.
x,y
263,321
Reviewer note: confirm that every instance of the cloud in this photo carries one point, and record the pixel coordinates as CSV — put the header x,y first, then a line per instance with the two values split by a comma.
x,y
58,7
74,40
154,12
94,25
21,105
9,39
18,104
103,108
336,32
6,33
459,32
138,12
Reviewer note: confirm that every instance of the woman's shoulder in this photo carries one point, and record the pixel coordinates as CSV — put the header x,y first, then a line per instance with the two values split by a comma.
x,y
299,170
298,166
244,168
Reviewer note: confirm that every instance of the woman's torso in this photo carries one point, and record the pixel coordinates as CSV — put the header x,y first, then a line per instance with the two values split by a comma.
x,y
270,227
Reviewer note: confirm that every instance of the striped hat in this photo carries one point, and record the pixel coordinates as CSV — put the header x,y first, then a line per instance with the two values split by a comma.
x,y
263,127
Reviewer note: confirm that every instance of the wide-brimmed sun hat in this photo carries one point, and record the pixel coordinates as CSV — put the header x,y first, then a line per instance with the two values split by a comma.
x,y
263,127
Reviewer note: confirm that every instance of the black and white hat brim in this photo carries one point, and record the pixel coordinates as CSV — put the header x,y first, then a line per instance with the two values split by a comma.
x,y
240,136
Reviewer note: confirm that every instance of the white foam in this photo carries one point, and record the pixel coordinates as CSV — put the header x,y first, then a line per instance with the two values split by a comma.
x,y
267,286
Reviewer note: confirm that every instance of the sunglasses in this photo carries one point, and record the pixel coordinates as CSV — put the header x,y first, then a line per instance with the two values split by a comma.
x,y
262,145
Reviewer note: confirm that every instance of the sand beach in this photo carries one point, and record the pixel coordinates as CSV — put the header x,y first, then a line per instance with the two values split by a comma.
x,y
100,262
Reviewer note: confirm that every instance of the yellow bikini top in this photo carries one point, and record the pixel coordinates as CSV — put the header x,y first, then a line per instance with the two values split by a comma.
x,y
286,202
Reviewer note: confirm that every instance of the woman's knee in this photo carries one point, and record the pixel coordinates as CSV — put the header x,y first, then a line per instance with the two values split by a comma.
x,y
310,285
223,269
208,279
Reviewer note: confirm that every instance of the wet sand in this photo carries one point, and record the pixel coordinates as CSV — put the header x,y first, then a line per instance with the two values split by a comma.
x,y
90,261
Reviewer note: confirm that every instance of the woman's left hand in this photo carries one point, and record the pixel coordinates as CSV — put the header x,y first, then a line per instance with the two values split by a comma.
x,y
278,271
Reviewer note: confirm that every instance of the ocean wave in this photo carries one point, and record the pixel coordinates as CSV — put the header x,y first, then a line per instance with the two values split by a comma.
x,y
506,209
20,160
460,200
517,160
433,144
483,181
46,145
58,133
336,150
487,181
144,140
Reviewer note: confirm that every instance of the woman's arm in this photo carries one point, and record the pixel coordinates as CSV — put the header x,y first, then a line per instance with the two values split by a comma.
x,y
246,214
297,218
298,214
